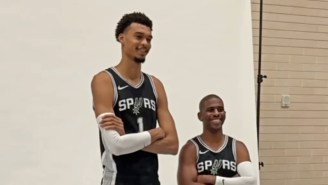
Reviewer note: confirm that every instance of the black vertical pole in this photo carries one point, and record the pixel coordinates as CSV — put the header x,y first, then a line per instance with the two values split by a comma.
x,y
259,80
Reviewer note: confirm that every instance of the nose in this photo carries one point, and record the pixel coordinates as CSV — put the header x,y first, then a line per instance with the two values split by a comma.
x,y
145,42
216,112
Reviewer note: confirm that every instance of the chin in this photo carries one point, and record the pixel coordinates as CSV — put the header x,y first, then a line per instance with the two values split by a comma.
x,y
139,60
215,129
217,126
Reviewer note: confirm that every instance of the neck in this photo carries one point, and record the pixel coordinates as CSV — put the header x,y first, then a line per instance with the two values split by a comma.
x,y
130,70
213,139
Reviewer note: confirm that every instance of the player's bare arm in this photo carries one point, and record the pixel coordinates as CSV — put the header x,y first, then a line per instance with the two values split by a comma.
x,y
242,152
169,144
187,172
103,99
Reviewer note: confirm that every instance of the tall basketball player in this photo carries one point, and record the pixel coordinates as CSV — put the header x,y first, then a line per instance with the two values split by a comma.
x,y
213,157
128,103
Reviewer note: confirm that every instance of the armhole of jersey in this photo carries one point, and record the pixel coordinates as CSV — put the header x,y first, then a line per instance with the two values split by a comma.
x,y
197,149
153,85
234,149
114,86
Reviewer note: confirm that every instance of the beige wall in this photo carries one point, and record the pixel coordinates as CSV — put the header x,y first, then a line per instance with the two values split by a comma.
x,y
293,140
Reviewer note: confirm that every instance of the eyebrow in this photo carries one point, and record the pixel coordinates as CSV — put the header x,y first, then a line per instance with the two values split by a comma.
x,y
141,33
218,107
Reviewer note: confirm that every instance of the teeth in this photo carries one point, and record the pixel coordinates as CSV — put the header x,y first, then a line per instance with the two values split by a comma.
x,y
143,50
217,121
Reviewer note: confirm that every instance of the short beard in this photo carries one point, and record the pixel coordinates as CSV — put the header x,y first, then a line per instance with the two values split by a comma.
x,y
139,60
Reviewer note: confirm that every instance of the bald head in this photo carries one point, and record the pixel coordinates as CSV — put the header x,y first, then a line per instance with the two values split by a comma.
x,y
203,100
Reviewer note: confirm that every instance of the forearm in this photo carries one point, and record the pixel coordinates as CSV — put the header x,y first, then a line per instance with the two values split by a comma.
x,y
120,144
193,179
235,181
167,145
125,144
191,183
247,176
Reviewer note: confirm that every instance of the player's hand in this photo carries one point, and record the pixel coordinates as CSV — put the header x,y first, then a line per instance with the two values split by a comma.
x,y
112,122
156,134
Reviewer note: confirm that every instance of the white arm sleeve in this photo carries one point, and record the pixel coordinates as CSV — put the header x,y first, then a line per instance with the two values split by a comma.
x,y
128,143
246,172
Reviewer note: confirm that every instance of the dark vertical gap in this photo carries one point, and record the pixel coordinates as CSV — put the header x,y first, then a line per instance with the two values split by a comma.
x,y
259,80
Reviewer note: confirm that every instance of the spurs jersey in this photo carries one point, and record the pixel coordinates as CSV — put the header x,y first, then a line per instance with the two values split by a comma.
x,y
221,162
137,107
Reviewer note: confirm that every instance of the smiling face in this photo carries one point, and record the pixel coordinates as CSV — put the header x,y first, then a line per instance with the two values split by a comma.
x,y
136,42
212,113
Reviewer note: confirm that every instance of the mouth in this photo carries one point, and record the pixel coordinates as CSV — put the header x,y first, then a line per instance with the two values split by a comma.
x,y
142,51
217,121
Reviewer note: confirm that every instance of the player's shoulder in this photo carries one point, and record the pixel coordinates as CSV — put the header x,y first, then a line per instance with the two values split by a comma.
x,y
238,142
101,77
240,145
188,155
187,149
103,74
152,77
233,138
157,82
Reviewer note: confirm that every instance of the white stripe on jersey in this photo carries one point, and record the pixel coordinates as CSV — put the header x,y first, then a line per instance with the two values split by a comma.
x,y
115,88
110,170
197,149
142,79
234,150
153,85
226,139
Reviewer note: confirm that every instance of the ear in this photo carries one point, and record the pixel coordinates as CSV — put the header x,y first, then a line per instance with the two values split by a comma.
x,y
199,115
121,38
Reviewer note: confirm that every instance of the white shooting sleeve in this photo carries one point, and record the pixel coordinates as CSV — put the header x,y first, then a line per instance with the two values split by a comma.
x,y
128,143
247,176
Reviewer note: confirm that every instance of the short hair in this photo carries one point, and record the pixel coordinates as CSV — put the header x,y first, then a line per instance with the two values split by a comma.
x,y
207,97
128,19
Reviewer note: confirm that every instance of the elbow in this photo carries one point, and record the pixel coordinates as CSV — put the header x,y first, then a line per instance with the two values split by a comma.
x,y
247,171
251,181
174,148
113,143
117,150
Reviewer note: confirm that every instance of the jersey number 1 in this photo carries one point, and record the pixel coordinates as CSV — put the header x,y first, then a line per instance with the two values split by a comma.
x,y
140,124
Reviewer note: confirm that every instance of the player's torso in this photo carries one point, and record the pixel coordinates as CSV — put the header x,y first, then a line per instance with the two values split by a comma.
x,y
137,107
221,162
